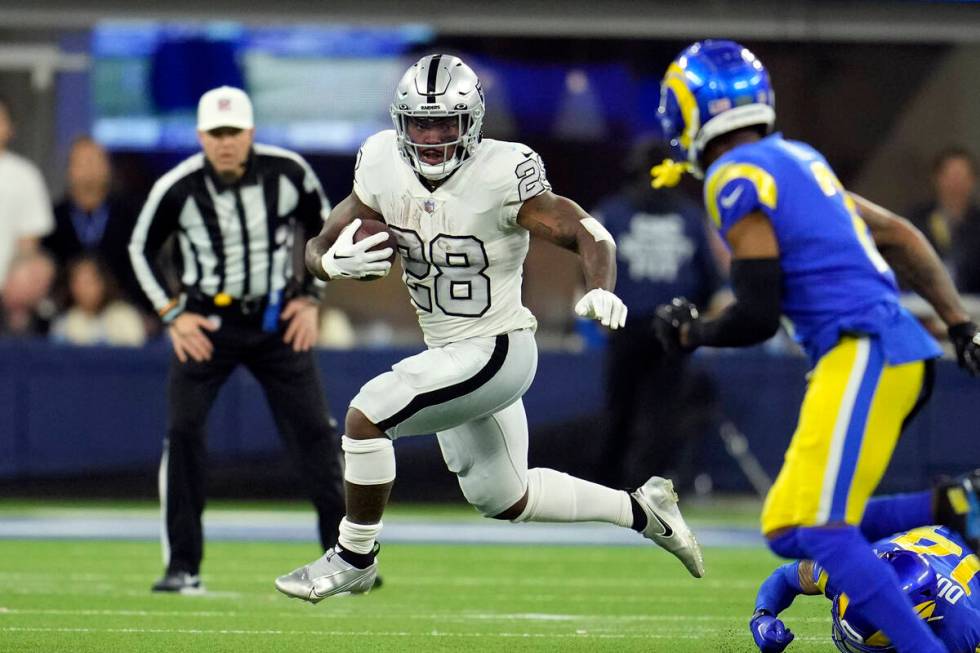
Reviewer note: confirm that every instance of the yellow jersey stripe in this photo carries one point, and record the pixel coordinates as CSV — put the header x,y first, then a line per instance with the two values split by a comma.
x,y
765,186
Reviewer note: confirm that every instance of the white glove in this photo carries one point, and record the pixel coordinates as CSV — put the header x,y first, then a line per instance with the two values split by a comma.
x,y
602,305
349,260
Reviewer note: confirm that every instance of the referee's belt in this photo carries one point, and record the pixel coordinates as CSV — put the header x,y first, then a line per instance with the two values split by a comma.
x,y
225,303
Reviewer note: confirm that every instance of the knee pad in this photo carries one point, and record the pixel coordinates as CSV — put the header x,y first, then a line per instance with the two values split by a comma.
x,y
787,545
490,499
368,462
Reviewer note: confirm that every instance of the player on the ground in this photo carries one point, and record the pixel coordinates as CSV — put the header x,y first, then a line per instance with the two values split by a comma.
x,y
802,246
936,567
463,209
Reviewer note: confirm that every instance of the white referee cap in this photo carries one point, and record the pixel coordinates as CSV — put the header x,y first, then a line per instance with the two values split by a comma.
x,y
224,106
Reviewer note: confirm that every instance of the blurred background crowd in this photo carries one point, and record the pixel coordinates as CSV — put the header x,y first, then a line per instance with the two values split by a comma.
x,y
97,100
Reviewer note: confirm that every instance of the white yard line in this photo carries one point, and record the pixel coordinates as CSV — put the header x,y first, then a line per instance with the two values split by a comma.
x,y
819,641
464,616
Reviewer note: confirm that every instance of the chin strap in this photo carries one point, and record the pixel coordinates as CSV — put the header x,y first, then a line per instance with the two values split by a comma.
x,y
668,174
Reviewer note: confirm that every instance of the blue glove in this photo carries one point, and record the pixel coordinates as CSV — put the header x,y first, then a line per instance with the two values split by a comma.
x,y
771,635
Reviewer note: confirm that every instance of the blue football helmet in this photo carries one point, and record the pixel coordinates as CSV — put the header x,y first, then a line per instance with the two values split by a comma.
x,y
852,633
712,88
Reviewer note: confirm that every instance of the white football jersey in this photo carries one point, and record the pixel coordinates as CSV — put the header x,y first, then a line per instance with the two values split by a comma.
x,y
460,246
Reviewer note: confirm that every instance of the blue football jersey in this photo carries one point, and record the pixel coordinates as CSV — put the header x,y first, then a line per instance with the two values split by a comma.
x,y
956,616
834,279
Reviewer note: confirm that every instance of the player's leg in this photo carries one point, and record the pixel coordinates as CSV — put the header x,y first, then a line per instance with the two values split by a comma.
x,y
295,394
898,512
849,424
886,515
489,457
952,502
426,393
192,388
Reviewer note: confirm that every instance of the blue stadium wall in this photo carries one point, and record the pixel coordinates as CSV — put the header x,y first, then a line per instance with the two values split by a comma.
x,y
69,412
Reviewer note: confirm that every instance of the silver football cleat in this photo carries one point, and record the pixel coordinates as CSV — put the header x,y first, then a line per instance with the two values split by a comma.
x,y
329,575
665,524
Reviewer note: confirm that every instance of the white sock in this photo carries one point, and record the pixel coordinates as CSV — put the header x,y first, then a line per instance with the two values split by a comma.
x,y
358,538
557,497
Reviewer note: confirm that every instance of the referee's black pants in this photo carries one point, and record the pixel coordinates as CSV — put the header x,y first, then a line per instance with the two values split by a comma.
x,y
644,386
293,390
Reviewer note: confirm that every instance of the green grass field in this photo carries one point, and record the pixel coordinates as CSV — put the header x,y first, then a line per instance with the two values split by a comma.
x,y
92,595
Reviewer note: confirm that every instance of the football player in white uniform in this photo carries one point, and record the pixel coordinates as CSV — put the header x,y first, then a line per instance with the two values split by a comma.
x,y
463,209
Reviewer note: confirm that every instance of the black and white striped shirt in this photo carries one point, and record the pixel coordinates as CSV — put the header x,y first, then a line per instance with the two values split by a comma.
x,y
234,239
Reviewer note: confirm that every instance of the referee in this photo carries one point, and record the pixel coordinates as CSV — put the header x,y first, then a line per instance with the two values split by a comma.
x,y
236,209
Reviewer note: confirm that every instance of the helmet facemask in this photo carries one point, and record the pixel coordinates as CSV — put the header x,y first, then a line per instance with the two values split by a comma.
x,y
439,86
454,151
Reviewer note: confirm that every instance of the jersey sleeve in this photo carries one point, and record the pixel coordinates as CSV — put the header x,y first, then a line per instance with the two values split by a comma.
x,y
373,159
517,174
821,579
736,187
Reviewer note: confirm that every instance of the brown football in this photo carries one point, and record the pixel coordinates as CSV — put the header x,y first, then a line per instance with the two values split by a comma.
x,y
371,227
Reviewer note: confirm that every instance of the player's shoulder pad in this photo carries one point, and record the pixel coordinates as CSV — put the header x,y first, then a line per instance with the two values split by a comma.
x,y
513,167
375,165
377,149
741,181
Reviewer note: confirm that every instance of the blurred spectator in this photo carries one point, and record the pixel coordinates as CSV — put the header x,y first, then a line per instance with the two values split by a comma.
x,y
25,216
951,221
25,309
663,251
336,330
95,314
91,219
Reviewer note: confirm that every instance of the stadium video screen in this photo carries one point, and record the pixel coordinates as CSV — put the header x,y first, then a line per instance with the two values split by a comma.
x,y
314,89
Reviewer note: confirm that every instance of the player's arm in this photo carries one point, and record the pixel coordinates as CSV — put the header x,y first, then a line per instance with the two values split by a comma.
x,y
756,280
333,253
561,221
785,584
916,263
913,259
775,595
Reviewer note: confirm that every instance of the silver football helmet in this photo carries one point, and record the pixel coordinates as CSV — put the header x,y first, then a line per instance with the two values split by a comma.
x,y
439,86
